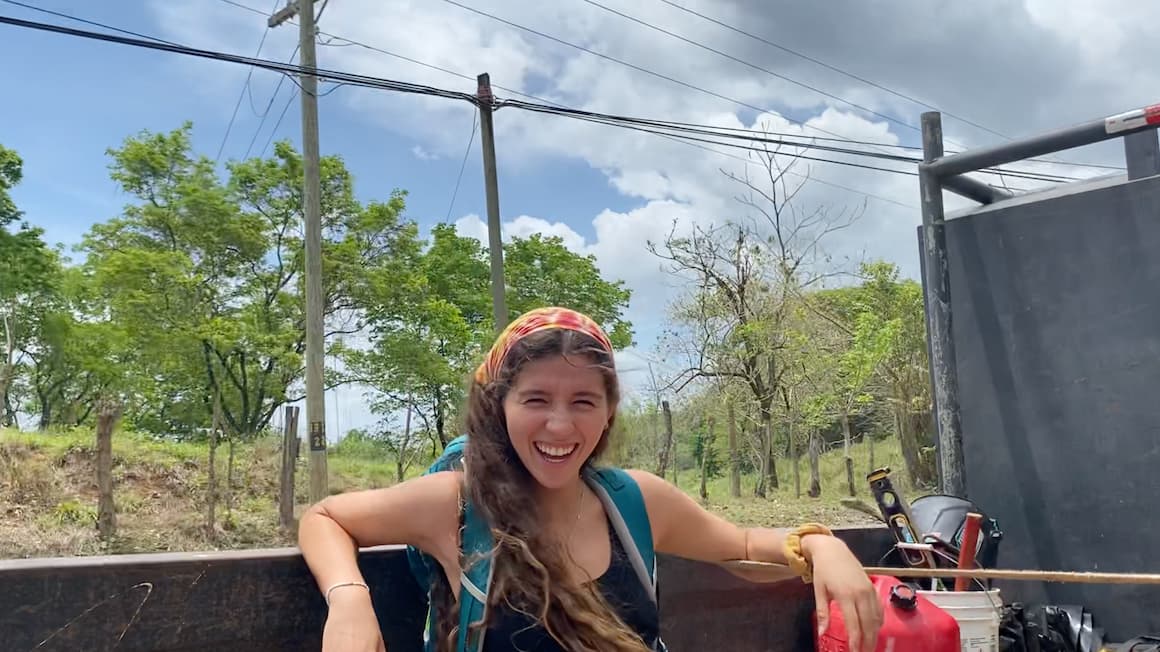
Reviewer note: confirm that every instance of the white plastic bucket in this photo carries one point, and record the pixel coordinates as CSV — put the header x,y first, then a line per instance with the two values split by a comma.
x,y
977,613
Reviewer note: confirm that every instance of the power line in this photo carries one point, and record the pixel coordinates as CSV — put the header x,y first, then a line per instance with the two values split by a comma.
x,y
751,65
277,89
681,141
384,84
612,121
453,73
242,94
871,83
369,47
87,22
739,130
463,165
366,46
274,131
285,68
831,67
288,70
850,141
633,66
653,126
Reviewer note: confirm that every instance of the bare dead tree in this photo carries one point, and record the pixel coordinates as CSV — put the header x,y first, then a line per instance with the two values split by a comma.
x,y
747,273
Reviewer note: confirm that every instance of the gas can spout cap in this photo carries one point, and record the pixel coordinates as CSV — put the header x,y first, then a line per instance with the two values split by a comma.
x,y
904,597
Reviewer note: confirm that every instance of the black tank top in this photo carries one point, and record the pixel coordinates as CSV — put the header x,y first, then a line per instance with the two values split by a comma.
x,y
619,585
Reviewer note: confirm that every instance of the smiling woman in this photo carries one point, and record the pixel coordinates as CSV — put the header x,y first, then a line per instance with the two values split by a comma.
x,y
570,568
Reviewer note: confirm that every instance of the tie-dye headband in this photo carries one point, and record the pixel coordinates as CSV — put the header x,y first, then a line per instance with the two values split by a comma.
x,y
531,322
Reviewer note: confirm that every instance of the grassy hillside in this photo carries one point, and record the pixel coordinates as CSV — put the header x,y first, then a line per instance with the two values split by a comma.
x,y
48,493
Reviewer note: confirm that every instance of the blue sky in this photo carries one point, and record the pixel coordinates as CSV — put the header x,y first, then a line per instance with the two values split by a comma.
x,y
605,191
79,97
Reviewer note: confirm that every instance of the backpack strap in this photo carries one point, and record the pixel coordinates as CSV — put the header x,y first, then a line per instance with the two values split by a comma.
x,y
624,504
477,545
622,501
424,566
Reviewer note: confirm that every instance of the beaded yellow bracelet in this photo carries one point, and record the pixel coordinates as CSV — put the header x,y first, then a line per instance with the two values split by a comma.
x,y
793,549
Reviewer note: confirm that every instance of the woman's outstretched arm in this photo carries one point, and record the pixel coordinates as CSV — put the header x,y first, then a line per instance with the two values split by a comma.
x,y
422,512
683,528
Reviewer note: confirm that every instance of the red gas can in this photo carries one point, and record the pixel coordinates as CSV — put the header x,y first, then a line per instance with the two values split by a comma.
x,y
910,623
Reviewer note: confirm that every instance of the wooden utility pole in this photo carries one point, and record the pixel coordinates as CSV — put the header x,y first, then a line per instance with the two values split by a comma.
x,y
486,103
312,213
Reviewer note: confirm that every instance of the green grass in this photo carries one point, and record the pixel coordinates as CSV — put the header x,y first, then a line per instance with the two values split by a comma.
x,y
782,507
48,492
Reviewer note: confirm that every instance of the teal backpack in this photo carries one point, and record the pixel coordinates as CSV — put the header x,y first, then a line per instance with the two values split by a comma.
x,y
622,501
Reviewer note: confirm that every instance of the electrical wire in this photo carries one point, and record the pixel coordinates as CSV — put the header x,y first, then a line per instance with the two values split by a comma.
x,y
752,65
285,68
351,42
833,68
738,130
277,89
356,80
384,84
606,120
253,10
703,130
242,94
653,126
878,143
86,21
874,84
633,66
463,165
274,131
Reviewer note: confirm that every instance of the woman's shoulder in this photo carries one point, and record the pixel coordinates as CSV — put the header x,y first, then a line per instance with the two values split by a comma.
x,y
655,490
646,480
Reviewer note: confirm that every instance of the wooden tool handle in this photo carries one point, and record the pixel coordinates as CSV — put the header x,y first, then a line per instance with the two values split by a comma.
x,y
967,549
759,571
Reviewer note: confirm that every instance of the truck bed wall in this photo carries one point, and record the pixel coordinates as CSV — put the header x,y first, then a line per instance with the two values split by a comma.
x,y
267,601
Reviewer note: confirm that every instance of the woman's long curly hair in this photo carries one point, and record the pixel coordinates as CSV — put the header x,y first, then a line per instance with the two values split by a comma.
x,y
531,570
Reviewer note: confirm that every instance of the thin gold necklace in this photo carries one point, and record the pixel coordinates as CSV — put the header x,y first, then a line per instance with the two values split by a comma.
x,y
579,512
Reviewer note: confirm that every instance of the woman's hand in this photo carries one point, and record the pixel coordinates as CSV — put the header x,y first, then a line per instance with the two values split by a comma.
x,y
838,576
351,625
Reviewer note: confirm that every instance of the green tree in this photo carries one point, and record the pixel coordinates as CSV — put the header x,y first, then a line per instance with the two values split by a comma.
x,y
75,356
426,324
26,267
541,271
884,358
207,279
896,309
431,322
167,270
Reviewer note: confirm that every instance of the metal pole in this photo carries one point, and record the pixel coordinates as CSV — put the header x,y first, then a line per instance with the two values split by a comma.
x,y
491,183
1142,151
976,190
312,214
1095,131
937,286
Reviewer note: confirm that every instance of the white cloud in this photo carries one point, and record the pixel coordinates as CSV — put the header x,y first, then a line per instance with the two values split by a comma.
x,y
422,154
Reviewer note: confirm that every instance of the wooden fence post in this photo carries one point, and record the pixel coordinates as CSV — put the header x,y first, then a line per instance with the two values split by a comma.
x,y
289,461
107,416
